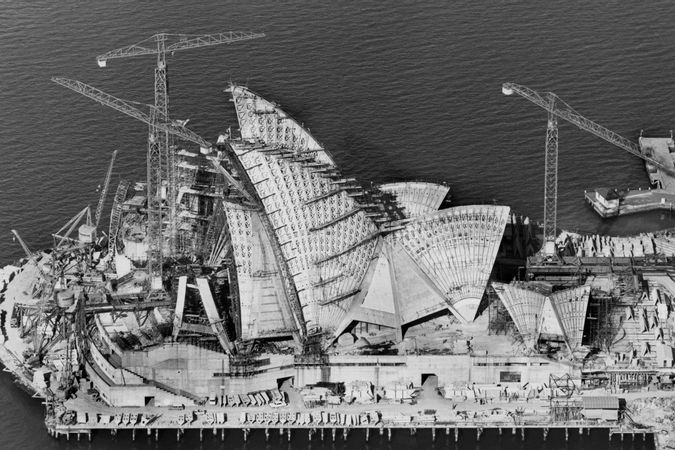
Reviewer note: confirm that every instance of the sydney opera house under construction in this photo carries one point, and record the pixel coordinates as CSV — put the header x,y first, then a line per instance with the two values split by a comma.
x,y
253,274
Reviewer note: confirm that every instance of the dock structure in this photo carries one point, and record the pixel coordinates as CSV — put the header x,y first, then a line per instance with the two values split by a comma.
x,y
205,420
662,150
612,202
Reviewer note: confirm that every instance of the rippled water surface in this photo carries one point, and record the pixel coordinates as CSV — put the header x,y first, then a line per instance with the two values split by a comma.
x,y
400,90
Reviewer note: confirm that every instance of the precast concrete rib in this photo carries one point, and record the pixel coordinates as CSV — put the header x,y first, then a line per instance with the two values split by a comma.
x,y
212,313
314,219
562,313
180,305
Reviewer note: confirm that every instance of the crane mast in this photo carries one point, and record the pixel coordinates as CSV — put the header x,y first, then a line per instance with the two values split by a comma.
x,y
557,108
551,183
155,130
161,181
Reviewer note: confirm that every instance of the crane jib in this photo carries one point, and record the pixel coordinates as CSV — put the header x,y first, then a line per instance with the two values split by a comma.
x,y
581,122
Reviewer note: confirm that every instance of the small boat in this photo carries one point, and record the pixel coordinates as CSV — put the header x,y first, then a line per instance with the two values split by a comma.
x,y
220,417
125,419
259,418
243,418
118,419
348,420
333,418
316,418
364,419
324,416
275,418
282,418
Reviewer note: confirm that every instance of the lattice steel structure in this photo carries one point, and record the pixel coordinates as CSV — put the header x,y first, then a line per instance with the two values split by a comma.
x,y
551,183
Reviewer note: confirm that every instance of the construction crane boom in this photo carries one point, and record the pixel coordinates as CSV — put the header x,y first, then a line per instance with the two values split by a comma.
x,y
127,108
565,111
104,191
183,42
24,246
161,156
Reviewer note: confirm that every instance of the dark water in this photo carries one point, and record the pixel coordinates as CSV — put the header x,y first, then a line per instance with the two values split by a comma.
x,y
404,90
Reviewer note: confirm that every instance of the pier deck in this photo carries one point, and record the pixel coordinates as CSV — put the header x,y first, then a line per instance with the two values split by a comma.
x,y
660,149
432,412
613,203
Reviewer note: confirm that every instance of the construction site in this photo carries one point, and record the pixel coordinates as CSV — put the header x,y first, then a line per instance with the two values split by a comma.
x,y
249,284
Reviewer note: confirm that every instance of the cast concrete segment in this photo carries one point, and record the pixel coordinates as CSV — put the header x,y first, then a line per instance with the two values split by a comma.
x,y
284,186
264,308
417,198
180,305
456,248
562,313
213,315
570,306
524,307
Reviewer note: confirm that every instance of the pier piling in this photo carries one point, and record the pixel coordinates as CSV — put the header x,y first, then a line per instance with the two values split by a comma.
x,y
333,433
545,432
201,435
367,433
288,435
322,434
245,431
344,434
456,434
433,433
567,434
522,434
267,434
157,434
133,435
389,434
479,431
222,434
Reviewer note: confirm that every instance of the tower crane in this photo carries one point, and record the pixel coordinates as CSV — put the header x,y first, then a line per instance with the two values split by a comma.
x,y
174,128
104,191
161,158
557,108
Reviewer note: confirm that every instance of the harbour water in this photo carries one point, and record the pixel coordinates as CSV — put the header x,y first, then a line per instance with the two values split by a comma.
x,y
407,90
